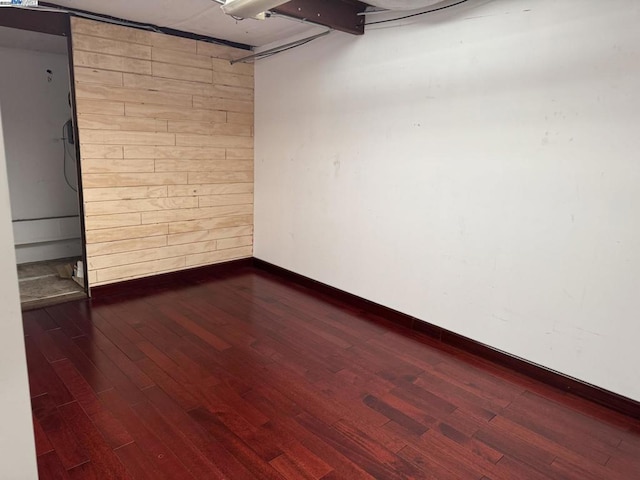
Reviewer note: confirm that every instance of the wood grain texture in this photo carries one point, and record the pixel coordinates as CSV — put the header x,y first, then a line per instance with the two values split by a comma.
x,y
101,151
239,153
106,274
217,189
208,128
210,223
133,95
149,254
110,31
140,205
168,112
99,107
102,165
130,86
110,47
233,372
220,200
111,62
213,103
101,77
121,137
113,122
213,234
118,180
202,213
240,118
185,86
174,57
580,389
173,153
127,245
167,165
124,193
112,221
180,72
126,233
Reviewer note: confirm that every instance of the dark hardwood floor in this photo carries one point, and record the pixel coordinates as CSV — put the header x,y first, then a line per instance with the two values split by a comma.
x,y
244,375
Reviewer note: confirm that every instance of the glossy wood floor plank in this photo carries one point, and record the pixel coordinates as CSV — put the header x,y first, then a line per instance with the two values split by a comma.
x,y
103,461
244,375
70,450
50,466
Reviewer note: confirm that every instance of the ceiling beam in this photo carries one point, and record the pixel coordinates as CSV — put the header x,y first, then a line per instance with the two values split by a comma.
x,y
53,23
337,14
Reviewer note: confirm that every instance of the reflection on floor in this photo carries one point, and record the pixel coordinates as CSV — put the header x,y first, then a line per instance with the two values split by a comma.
x,y
245,375
44,283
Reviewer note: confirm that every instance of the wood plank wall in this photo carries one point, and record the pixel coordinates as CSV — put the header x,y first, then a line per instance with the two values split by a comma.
x,y
166,141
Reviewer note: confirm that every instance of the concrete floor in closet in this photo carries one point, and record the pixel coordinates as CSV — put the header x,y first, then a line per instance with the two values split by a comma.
x,y
43,283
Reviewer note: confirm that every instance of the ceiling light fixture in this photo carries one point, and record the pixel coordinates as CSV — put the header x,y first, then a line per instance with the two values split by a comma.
x,y
249,8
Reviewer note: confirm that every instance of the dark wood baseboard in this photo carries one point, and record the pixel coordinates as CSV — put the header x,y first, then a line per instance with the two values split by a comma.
x,y
577,387
152,284
148,285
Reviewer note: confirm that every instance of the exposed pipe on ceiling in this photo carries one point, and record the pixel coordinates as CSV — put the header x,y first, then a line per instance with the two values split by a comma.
x,y
249,8
402,4
281,48
288,46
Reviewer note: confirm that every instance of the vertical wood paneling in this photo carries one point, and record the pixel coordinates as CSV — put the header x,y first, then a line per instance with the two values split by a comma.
x,y
157,111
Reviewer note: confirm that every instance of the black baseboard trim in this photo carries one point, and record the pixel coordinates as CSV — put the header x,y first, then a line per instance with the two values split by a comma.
x,y
151,284
555,379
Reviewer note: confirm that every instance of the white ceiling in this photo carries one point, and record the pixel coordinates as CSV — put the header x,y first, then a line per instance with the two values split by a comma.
x,y
203,17
26,40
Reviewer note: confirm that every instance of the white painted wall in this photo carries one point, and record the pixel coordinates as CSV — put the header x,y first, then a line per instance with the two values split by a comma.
x,y
478,169
35,109
17,448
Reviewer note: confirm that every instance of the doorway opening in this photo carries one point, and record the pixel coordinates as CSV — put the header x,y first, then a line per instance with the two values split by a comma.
x,y
40,147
